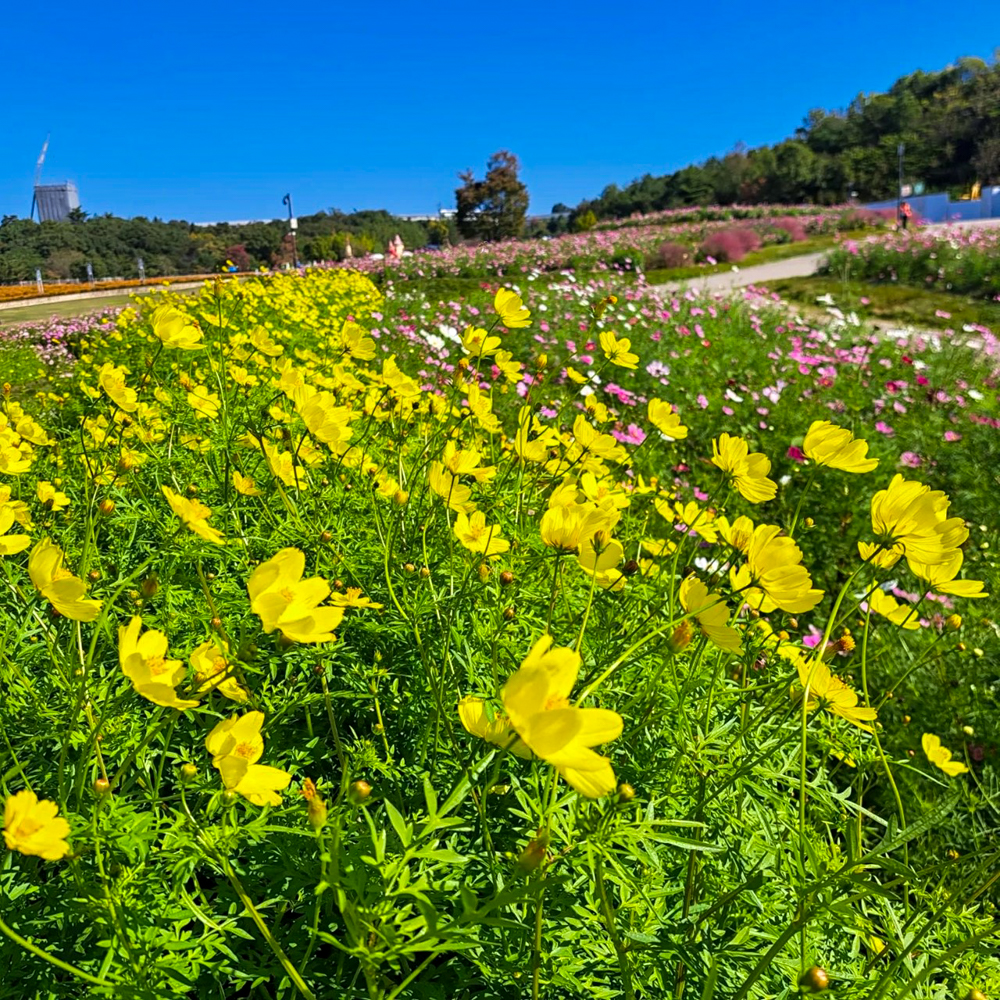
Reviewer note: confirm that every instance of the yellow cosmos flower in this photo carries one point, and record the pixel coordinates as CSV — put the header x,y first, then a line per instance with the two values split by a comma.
x,y
915,517
58,585
618,350
112,380
245,485
567,526
942,578
355,342
878,556
599,557
22,513
512,312
665,420
773,576
903,615
738,533
941,756
747,469
828,444
143,662
700,520
205,404
478,342
711,612
236,745
353,598
478,536
509,368
264,343
446,485
10,544
828,691
536,700
473,714
194,514
212,671
286,602
175,329
34,827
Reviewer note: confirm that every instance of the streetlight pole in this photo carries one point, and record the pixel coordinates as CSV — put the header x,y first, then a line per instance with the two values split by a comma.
x,y
293,224
900,149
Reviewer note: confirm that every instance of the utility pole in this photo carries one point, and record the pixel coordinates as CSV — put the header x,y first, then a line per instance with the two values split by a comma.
x,y
293,224
900,149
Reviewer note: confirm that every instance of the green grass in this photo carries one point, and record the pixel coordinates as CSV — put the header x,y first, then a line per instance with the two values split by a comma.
x,y
898,303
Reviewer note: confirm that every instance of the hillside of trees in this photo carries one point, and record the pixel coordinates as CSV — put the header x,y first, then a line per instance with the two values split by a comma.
x,y
112,245
949,122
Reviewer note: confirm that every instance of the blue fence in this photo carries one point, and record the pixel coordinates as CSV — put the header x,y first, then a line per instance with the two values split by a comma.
x,y
940,208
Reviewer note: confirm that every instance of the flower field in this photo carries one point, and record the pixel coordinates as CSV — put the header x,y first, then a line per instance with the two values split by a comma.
x,y
631,246
561,640
965,261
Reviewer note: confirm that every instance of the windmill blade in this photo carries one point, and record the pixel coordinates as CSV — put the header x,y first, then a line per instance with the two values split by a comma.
x,y
41,160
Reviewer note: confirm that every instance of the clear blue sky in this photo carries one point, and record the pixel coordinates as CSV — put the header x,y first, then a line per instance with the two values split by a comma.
x,y
213,111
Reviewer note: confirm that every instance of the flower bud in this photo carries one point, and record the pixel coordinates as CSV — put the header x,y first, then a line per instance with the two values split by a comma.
x,y
400,498
809,522
533,855
543,360
625,792
508,614
506,578
953,623
359,792
192,489
316,806
325,537
150,585
409,567
682,636
975,994
484,572
102,786
815,979
188,773
94,575
106,506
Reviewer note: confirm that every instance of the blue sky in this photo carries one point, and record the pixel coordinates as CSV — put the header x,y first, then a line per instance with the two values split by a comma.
x,y
214,111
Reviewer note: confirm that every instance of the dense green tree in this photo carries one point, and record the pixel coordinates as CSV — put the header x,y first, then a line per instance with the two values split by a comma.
x,y
492,208
948,121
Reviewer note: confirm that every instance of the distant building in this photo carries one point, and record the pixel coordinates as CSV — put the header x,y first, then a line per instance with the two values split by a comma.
x,y
56,201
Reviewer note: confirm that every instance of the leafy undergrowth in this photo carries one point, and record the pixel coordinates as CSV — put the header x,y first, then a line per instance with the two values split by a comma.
x,y
399,647
920,307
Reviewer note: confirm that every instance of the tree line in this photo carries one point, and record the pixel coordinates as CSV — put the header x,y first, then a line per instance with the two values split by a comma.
x,y
948,122
112,245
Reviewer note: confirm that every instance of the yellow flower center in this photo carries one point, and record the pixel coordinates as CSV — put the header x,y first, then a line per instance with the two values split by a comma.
x,y
157,665
553,703
218,665
288,594
245,750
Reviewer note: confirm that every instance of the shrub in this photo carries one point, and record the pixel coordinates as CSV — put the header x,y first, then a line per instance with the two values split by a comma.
x,y
670,255
729,246
795,229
